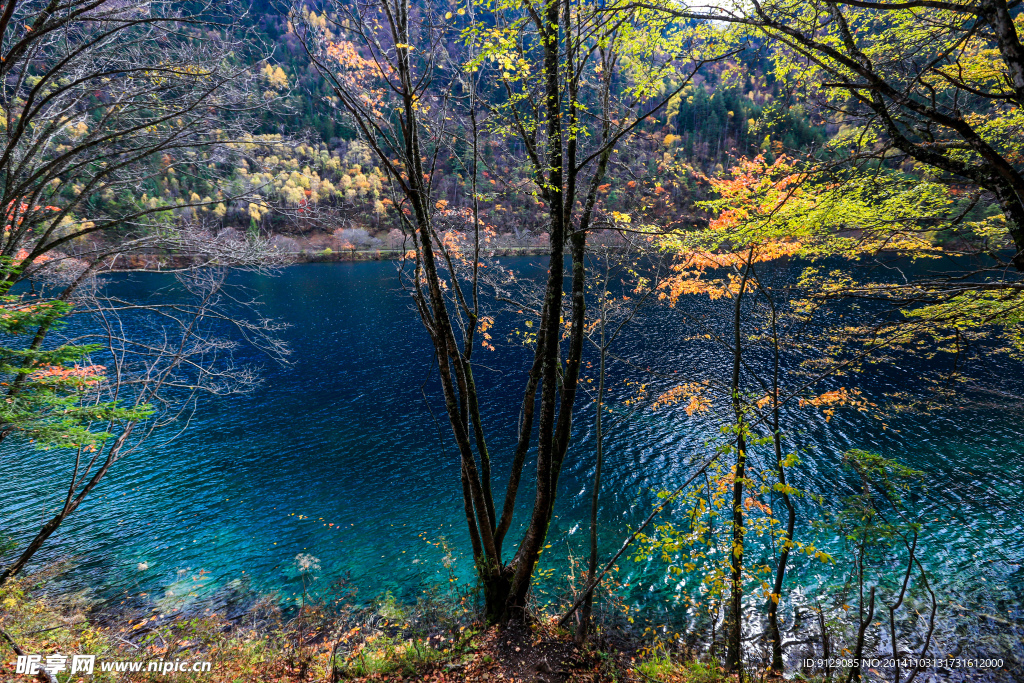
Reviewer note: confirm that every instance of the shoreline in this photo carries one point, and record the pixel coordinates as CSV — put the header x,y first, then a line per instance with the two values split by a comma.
x,y
251,637
169,263
352,255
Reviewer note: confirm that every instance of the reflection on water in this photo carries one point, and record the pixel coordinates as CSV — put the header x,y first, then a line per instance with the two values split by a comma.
x,y
338,457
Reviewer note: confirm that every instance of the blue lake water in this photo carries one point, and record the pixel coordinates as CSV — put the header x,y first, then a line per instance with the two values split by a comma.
x,y
338,456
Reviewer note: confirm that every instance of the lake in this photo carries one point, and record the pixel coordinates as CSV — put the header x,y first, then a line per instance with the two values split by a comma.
x,y
339,456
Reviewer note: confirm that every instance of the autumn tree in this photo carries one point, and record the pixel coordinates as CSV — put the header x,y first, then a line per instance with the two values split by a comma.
x,y
935,86
573,81
760,214
762,217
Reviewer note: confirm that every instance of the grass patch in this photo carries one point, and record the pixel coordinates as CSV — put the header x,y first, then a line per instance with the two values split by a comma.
x,y
662,668
387,655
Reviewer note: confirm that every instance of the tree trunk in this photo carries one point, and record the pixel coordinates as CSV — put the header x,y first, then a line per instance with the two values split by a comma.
x,y
774,634
1012,206
496,587
547,459
32,548
585,611
734,630
71,504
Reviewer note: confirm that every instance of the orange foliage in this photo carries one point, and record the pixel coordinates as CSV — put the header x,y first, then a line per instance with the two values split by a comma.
x,y
831,400
88,374
22,254
756,504
742,230
356,73
693,392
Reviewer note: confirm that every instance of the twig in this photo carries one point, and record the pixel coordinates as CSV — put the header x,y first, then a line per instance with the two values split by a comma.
x,y
125,641
43,630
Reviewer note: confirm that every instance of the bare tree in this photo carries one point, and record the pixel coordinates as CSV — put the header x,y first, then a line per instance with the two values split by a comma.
x,y
99,96
160,358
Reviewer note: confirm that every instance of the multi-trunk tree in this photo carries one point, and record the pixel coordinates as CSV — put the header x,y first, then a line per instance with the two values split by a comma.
x,y
568,82
772,229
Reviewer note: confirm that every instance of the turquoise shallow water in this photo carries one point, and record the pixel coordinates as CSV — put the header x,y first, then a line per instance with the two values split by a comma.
x,y
338,456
